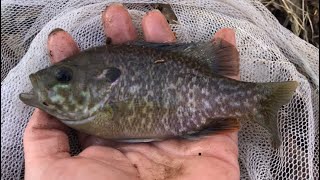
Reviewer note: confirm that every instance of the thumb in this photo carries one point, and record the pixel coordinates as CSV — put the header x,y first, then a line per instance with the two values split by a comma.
x,y
45,140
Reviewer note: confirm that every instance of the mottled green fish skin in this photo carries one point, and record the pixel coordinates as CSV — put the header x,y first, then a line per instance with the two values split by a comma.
x,y
158,94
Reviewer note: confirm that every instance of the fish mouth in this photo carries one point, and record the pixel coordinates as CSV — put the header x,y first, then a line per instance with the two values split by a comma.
x,y
31,98
37,97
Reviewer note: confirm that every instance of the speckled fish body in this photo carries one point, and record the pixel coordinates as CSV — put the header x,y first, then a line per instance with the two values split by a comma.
x,y
149,91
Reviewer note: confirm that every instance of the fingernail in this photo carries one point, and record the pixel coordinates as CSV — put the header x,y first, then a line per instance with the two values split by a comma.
x,y
55,31
117,4
153,11
108,40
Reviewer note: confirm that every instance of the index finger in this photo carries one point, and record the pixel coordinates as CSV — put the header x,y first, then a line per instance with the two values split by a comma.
x,y
61,45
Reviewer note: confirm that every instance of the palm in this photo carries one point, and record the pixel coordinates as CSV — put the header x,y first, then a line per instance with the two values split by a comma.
x,y
116,165
214,156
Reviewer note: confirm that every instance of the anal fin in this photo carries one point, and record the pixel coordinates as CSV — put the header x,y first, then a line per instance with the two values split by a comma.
x,y
215,126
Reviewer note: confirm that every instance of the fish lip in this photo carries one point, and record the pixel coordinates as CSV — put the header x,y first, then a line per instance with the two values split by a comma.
x,y
31,98
27,97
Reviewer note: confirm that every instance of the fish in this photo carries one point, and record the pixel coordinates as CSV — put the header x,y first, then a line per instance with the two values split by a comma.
x,y
142,92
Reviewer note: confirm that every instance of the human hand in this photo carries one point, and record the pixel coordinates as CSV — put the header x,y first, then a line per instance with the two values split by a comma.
x,y
46,145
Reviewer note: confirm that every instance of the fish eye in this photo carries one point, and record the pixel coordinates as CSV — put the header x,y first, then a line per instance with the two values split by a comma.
x,y
112,74
63,74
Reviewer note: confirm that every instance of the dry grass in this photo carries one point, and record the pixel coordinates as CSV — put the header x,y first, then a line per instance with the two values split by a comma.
x,y
299,16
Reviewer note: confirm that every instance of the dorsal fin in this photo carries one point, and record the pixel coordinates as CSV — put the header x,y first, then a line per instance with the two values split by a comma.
x,y
219,56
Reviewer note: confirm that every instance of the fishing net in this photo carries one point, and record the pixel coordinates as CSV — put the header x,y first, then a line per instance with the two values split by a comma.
x,y
268,53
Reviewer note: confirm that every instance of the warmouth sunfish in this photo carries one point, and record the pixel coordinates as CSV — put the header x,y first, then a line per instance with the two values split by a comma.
x,y
141,92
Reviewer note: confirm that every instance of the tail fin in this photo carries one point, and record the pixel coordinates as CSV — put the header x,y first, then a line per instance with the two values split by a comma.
x,y
278,94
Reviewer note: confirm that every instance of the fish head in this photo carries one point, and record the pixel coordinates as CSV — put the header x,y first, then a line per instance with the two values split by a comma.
x,y
70,92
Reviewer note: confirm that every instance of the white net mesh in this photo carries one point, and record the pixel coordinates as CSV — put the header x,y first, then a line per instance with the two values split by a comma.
x,y
268,52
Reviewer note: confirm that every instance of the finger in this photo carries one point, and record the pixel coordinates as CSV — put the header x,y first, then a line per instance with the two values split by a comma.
x,y
118,25
61,45
229,36
156,28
